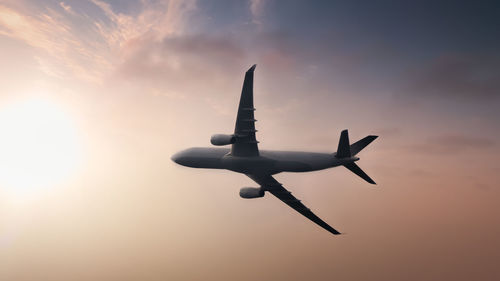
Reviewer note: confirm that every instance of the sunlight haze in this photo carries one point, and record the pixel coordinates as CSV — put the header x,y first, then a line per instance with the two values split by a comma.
x,y
97,95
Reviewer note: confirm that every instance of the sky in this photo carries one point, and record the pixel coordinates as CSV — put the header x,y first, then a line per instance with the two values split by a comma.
x,y
96,95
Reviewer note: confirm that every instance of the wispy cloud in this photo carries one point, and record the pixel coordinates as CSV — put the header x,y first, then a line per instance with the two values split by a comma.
x,y
174,63
78,45
257,8
58,48
67,8
158,19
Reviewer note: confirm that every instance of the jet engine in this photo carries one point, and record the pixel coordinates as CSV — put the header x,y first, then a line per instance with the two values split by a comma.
x,y
251,192
221,139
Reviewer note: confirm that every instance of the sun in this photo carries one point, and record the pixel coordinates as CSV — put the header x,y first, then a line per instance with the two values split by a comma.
x,y
39,145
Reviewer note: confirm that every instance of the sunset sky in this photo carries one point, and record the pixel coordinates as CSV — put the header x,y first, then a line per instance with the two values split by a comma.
x,y
96,95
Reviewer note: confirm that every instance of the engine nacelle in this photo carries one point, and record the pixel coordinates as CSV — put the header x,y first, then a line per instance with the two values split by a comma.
x,y
221,139
251,192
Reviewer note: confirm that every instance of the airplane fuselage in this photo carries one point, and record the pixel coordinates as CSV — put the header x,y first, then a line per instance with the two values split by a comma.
x,y
239,152
268,162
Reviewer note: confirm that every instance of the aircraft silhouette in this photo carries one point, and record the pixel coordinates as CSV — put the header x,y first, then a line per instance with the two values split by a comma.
x,y
245,157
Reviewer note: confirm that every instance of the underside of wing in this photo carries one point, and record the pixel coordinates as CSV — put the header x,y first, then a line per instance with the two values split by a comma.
x,y
268,183
246,142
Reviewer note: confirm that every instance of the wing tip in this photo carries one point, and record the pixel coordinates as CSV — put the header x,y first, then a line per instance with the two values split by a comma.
x,y
252,69
332,230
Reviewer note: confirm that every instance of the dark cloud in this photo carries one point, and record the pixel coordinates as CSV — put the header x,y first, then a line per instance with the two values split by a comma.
x,y
377,42
337,49
471,77
188,64
446,144
182,63
483,186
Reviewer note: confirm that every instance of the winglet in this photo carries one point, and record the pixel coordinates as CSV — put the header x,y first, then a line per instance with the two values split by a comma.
x,y
252,68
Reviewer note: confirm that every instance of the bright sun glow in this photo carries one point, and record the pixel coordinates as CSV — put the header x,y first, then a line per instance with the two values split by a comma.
x,y
38,146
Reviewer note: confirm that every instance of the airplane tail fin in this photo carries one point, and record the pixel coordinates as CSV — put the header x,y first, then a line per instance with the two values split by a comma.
x,y
347,153
344,150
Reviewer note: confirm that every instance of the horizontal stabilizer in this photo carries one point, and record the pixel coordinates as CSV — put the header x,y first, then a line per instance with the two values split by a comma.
x,y
357,170
361,144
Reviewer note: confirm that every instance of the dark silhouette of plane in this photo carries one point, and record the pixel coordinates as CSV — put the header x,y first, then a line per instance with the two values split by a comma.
x,y
245,157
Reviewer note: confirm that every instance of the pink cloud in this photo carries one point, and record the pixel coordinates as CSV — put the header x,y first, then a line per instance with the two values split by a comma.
x,y
71,45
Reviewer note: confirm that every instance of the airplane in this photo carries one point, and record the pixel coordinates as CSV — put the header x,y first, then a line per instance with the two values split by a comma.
x,y
245,157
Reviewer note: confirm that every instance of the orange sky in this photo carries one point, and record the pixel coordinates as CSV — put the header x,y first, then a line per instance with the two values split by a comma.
x,y
140,80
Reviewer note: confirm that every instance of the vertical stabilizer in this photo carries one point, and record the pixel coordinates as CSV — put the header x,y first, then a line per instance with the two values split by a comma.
x,y
344,149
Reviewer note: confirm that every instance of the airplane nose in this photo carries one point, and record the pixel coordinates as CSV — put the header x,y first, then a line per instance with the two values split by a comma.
x,y
176,157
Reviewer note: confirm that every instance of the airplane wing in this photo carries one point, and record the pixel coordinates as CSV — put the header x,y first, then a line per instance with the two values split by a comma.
x,y
268,183
246,142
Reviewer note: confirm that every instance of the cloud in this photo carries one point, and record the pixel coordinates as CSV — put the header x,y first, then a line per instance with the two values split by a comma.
x,y
158,48
67,8
460,76
257,9
447,144
158,19
189,64
87,46
57,55
159,43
